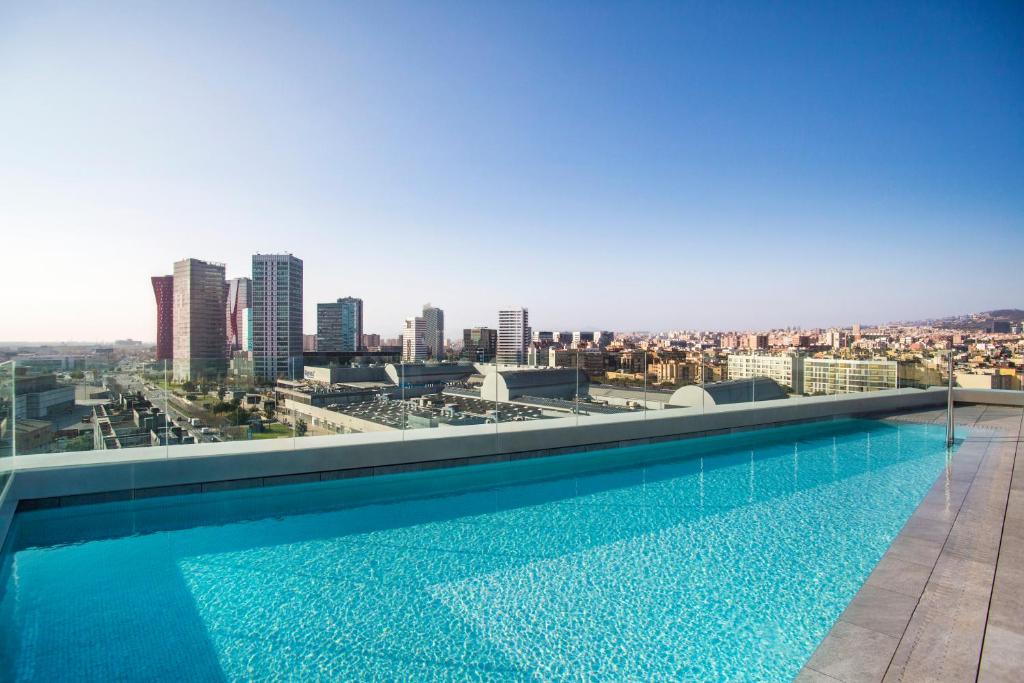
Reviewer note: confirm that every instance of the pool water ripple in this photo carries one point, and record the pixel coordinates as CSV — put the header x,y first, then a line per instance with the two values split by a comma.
x,y
723,559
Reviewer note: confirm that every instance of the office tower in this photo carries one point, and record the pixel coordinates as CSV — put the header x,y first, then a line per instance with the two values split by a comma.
x,y
434,335
277,316
479,344
513,335
163,288
198,320
414,346
239,297
309,343
370,342
339,325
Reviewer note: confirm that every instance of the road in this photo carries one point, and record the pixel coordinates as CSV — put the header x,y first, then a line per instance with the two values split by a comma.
x,y
163,399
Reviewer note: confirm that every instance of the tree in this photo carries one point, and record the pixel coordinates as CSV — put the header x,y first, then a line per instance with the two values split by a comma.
x,y
77,374
239,417
221,393
222,407
300,428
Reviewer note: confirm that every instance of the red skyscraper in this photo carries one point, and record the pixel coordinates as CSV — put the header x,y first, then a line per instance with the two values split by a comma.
x,y
163,288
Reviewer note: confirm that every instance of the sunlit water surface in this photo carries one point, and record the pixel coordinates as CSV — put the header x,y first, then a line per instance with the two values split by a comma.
x,y
715,559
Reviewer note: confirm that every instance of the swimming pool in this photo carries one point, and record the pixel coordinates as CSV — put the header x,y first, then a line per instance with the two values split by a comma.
x,y
725,558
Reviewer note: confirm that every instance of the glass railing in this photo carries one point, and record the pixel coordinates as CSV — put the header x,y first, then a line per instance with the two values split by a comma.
x,y
8,427
169,408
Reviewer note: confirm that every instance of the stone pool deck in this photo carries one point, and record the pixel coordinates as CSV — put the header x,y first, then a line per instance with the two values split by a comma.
x,y
946,601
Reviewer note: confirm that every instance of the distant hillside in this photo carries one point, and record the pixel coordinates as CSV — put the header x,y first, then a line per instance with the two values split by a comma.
x,y
975,321
1006,314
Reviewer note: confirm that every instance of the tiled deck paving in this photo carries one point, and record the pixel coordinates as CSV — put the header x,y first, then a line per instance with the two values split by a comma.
x,y
946,602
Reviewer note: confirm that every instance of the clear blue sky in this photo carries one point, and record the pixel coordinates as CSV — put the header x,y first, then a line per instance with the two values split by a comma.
x,y
615,165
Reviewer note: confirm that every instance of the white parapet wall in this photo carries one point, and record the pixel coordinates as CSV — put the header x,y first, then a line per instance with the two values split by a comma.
x,y
992,397
123,474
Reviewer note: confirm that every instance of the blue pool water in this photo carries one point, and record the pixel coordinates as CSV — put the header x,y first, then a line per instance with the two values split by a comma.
x,y
726,558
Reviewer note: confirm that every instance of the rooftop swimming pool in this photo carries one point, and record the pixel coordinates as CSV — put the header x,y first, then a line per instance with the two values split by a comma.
x,y
724,558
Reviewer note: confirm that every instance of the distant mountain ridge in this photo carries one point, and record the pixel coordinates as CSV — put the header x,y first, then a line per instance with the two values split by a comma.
x,y
1014,314
975,321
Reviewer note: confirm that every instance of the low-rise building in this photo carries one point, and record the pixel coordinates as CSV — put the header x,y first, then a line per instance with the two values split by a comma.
x,y
674,371
507,385
730,391
590,361
787,370
843,376
32,436
479,344
39,396
987,380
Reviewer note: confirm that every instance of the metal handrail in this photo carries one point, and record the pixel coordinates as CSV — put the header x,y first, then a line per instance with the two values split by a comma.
x,y
949,403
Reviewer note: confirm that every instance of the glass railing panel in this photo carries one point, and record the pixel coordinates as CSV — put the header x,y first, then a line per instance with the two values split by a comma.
x,y
216,401
8,420
70,406
185,392
136,402
491,394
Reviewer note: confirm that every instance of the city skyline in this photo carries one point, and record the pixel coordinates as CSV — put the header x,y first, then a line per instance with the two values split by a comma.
x,y
456,334
575,162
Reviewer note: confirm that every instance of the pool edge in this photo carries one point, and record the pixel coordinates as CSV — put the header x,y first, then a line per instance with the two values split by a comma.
x,y
923,612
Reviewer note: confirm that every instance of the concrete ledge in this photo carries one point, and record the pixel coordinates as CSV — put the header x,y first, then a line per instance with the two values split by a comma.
x,y
253,463
991,397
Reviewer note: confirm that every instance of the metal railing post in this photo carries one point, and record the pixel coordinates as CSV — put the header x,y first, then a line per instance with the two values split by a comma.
x,y
949,403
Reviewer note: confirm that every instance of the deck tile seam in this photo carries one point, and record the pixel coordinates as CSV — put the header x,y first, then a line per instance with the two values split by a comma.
x,y
931,574
822,673
1002,530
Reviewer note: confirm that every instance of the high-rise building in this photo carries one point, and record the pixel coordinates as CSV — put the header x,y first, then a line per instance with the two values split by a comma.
x,y
414,346
479,344
339,325
434,335
513,335
371,341
239,298
163,288
277,316
198,320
